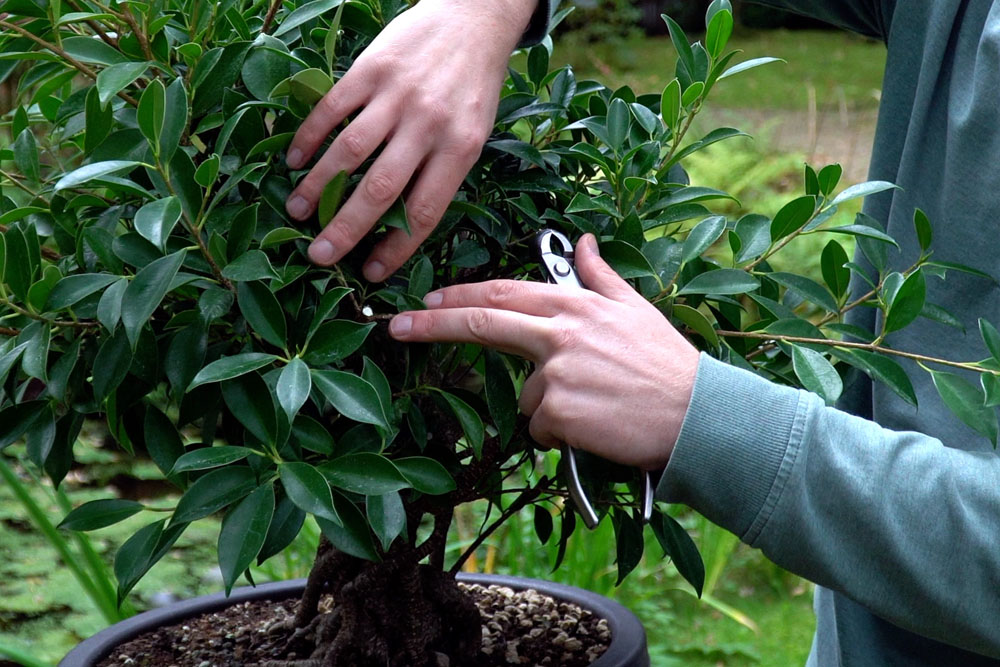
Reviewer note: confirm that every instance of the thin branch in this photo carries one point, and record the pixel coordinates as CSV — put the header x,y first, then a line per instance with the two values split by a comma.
x,y
129,18
519,503
269,19
7,331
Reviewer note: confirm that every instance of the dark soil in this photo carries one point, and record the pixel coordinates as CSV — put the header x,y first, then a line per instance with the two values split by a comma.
x,y
519,628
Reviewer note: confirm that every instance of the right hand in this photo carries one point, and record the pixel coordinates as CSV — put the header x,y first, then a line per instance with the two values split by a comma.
x,y
427,89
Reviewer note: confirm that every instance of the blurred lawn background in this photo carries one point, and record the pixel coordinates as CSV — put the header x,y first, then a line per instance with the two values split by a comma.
x,y
818,107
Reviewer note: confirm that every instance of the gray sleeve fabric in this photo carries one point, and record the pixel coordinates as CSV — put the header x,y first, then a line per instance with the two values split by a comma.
x,y
867,17
846,503
538,27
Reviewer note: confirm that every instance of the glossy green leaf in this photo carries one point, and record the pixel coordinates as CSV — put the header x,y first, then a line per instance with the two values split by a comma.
x,y
26,155
15,420
100,514
329,200
281,235
155,220
351,396
625,259
294,385
817,374
792,216
111,365
628,543
670,104
310,85
152,112
678,546
862,190
697,322
701,238
309,490
90,50
354,536
209,457
73,288
863,231
881,369
132,559
748,64
115,78
754,232
720,28
175,121
991,337
243,532
251,265
249,399
501,397
305,13
146,291
262,312
832,264
213,491
922,225
364,473
425,475
618,123
472,425
543,523
207,171
721,282
286,524
807,288
94,171
908,302
967,402
162,439
387,517
335,340
829,177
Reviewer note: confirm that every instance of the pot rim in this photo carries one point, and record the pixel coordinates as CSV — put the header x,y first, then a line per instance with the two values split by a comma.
x,y
628,637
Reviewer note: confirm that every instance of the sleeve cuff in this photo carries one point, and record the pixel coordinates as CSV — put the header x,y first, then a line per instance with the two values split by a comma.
x,y
736,447
538,27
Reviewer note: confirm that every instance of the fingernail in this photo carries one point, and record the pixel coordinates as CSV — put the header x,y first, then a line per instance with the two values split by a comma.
x,y
297,206
294,158
591,242
322,251
374,271
400,325
433,300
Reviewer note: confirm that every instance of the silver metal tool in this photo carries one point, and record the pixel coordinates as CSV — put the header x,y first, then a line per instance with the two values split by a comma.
x,y
559,268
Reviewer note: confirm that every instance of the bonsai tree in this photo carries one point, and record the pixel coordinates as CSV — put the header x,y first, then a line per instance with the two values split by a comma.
x,y
150,280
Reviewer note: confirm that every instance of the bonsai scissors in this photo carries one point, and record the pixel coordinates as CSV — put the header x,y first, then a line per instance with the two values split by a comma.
x,y
556,257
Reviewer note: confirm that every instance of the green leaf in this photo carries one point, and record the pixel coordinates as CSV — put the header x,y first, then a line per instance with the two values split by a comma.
x,y
207,171
670,104
162,440
748,64
703,236
351,396
294,385
807,288
501,397
157,219
721,282
426,475
720,28
309,490
249,399
72,289
991,337
543,523
863,231
111,364
335,340
923,228
309,86
754,232
955,266
305,13
115,78
628,543
152,112
243,532
907,303
625,259
26,155
680,548
100,514
312,435
618,123
133,557
792,216
209,457
829,177
835,274
251,265
697,321
213,491
175,119
90,50
472,425
329,200
365,473
395,217
285,526
817,374
15,420
692,94
264,68
94,171
146,291
262,312
862,190
34,361
967,402
881,369
281,235
354,536
330,43
387,517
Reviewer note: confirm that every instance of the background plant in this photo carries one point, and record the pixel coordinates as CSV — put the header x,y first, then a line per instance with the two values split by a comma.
x,y
151,280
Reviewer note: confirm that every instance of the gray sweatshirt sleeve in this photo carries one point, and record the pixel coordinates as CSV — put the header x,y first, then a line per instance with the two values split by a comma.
x,y
897,521
868,17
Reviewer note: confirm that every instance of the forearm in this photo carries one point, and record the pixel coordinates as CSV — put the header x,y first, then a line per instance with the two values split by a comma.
x,y
895,520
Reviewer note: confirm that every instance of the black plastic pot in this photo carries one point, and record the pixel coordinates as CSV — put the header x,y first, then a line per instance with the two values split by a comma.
x,y
628,638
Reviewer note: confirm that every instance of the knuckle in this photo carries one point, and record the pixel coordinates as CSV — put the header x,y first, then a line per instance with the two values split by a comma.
x,y
501,293
353,146
380,187
480,324
423,217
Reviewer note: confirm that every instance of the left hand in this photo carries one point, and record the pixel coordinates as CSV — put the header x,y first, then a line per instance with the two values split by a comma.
x,y
612,376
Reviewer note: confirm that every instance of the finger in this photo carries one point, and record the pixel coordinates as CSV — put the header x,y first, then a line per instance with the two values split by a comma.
x,y
522,296
532,393
376,192
598,276
346,95
542,429
437,184
351,147
511,332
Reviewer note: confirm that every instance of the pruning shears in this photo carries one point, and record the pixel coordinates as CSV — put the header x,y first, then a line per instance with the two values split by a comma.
x,y
555,254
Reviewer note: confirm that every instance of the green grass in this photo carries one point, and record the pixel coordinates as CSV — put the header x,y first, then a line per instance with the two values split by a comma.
x,y
840,69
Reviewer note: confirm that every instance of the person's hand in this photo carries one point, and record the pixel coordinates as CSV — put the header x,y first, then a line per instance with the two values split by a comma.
x,y
612,376
427,89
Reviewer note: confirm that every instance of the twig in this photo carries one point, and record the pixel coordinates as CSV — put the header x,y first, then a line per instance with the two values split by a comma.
x,y
269,19
519,503
129,18
7,331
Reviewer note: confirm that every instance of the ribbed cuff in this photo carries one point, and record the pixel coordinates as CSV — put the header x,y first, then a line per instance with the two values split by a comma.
x,y
736,447
538,27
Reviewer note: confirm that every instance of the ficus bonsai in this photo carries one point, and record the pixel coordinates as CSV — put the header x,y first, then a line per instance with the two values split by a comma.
x,y
150,280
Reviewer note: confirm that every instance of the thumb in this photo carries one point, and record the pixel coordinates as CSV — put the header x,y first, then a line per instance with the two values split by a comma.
x,y
597,275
